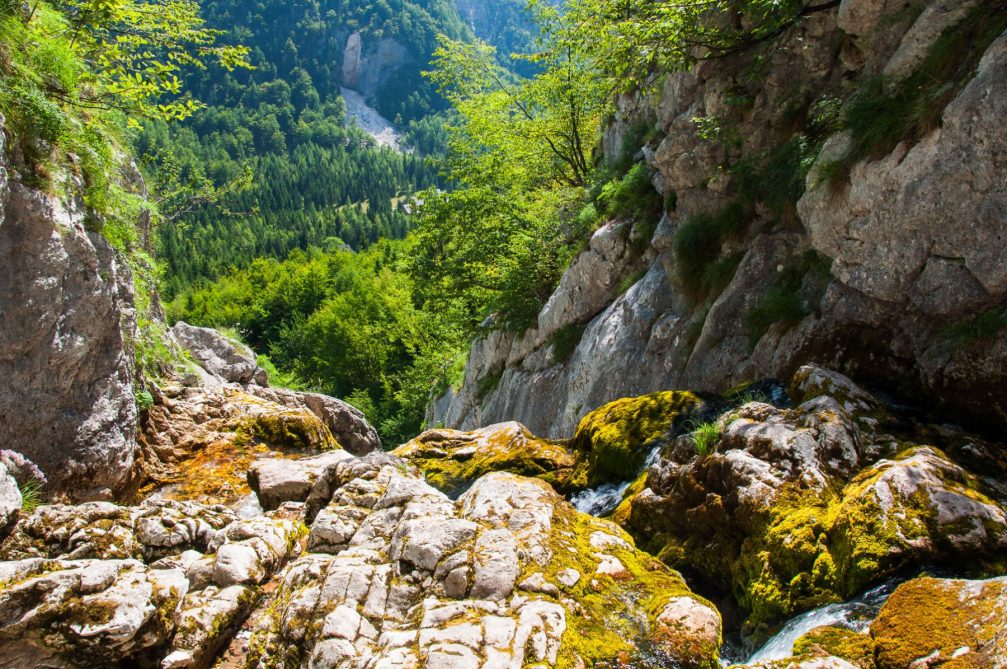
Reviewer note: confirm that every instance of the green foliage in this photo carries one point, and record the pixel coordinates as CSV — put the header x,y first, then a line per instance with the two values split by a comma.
x,y
341,323
565,341
704,437
144,400
698,248
32,496
633,38
884,113
985,326
633,197
137,49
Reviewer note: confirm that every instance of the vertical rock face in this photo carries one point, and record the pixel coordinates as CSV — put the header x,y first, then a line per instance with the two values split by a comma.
x,y
898,274
66,324
368,66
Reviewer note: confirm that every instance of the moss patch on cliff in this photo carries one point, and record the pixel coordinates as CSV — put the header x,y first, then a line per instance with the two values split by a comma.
x,y
613,441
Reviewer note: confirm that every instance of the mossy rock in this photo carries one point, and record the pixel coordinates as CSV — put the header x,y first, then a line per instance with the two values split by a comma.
x,y
452,460
830,640
613,441
957,624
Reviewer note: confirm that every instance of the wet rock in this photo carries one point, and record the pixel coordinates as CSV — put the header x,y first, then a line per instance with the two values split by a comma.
x,y
84,613
453,460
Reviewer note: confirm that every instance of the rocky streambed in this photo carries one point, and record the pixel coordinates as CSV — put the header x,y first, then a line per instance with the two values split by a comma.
x,y
461,549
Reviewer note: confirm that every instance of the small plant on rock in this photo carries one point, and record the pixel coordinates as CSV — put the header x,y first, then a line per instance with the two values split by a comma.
x,y
704,437
32,496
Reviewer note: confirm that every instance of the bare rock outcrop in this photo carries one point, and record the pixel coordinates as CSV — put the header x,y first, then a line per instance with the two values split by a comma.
x,y
66,329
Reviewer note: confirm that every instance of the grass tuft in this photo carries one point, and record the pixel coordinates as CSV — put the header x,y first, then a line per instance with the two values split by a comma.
x,y
704,437
32,496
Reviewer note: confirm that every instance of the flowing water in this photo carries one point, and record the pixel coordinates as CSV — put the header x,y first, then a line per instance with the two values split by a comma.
x,y
602,500
855,614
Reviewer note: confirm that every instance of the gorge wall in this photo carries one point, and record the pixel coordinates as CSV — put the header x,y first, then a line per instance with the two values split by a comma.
x,y
67,323
892,271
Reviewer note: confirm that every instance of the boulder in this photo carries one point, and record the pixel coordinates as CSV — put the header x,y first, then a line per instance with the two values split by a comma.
x,y
615,440
206,622
69,614
930,622
453,460
799,507
346,423
223,359
279,480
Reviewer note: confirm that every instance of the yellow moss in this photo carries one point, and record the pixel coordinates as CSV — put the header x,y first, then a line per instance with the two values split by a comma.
x,y
453,460
614,440
858,649
927,615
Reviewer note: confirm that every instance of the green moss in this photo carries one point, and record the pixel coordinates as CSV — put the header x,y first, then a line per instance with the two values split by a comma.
x,y
615,439
858,649
615,623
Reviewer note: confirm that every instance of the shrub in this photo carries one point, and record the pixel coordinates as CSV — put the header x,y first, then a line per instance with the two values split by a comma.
x,y
698,246
488,383
565,341
633,196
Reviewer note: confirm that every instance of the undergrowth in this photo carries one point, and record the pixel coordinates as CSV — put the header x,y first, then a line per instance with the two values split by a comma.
x,y
884,113
795,293
698,245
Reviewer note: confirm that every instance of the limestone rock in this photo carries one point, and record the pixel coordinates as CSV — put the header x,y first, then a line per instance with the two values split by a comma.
x,y
84,613
410,578
10,499
228,361
807,505
66,304
102,530
346,423
278,480
206,621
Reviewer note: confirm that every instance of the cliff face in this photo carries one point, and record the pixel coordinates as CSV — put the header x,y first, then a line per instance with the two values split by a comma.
x,y
66,325
892,271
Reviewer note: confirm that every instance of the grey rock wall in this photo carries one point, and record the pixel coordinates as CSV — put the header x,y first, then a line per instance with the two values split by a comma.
x,y
914,244
66,325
